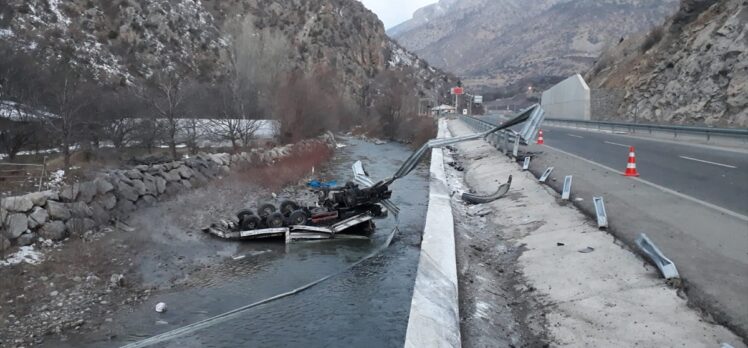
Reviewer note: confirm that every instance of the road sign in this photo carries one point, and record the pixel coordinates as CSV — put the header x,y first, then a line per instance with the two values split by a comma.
x,y
458,91
478,99
465,112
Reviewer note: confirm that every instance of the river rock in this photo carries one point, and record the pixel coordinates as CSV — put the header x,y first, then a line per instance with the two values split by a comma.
x,y
124,207
103,186
15,225
88,191
58,211
173,188
172,175
26,239
38,217
80,210
107,201
20,204
54,230
69,193
40,198
186,184
160,185
79,226
126,192
185,172
139,187
150,184
146,201
134,174
100,213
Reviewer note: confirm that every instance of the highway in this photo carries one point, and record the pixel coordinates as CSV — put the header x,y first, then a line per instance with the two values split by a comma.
x,y
716,176
691,200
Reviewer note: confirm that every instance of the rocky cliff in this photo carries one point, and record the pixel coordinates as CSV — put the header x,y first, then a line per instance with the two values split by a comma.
x,y
127,40
692,70
501,42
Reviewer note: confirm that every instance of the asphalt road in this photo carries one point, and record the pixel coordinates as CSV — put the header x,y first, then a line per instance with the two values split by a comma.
x,y
719,177
702,227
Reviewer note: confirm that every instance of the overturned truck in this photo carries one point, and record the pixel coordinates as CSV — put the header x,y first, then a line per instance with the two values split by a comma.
x,y
347,211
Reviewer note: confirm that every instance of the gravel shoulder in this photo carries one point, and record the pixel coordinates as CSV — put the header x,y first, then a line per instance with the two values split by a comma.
x,y
582,286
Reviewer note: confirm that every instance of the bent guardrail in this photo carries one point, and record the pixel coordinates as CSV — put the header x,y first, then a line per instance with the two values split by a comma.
x,y
708,132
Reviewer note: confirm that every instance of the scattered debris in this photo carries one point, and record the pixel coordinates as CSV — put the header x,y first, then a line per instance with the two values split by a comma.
x,y
160,307
587,250
501,191
560,244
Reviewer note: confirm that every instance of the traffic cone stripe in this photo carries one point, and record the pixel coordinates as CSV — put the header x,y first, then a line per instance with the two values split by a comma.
x,y
540,137
631,165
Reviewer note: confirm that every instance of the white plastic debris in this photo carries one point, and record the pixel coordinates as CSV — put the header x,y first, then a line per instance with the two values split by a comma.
x,y
161,307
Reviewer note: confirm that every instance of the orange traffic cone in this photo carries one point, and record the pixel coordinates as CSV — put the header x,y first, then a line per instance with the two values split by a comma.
x,y
631,166
540,137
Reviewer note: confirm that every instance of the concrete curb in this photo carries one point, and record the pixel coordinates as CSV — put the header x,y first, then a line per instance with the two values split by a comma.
x,y
434,311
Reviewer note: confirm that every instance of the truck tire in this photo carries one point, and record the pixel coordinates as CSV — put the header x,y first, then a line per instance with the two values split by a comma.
x,y
249,222
297,217
242,213
265,210
288,207
275,220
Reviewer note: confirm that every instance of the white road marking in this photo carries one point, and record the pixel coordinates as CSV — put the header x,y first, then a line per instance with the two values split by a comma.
x,y
576,136
661,188
709,162
617,144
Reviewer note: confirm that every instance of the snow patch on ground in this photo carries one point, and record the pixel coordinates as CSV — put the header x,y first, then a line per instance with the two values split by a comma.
x,y
26,254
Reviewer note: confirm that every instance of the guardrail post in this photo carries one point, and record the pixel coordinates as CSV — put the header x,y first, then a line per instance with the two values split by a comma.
x,y
566,192
667,267
602,216
546,174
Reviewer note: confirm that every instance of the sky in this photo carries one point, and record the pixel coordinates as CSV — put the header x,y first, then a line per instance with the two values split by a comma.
x,y
394,12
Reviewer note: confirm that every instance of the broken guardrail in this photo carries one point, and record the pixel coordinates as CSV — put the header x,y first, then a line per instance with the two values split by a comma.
x,y
667,267
546,174
526,164
602,216
500,192
566,192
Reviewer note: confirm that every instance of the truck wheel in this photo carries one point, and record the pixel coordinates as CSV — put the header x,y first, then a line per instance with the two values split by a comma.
x,y
249,222
275,220
297,217
265,210
242,213
288,207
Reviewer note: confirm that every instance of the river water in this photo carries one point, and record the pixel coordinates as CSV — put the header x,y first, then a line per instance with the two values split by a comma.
x,y
366,305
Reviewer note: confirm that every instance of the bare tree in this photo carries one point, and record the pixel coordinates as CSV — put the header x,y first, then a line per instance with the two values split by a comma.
x,y
68,94
166,93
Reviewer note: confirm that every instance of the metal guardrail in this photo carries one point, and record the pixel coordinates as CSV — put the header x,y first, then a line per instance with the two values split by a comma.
x,y
708,132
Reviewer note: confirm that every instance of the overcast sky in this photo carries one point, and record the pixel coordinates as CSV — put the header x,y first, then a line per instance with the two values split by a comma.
x,y
394,12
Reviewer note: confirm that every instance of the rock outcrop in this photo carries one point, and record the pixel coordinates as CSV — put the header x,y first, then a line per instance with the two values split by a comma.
x,y
129,40
505,42
693,70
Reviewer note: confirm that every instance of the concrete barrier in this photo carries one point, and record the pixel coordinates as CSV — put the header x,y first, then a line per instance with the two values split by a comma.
x,y
434,311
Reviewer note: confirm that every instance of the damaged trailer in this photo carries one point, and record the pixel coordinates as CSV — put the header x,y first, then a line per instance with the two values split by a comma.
x,y
346,211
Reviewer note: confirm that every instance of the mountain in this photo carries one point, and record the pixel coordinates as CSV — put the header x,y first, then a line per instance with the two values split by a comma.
x,y
505,42
692,70
123,41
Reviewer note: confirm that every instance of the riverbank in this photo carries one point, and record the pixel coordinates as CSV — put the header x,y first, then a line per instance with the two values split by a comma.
x,y
563,282
80,284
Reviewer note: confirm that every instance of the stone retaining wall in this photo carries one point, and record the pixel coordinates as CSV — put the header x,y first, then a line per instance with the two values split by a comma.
x,y
80,207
